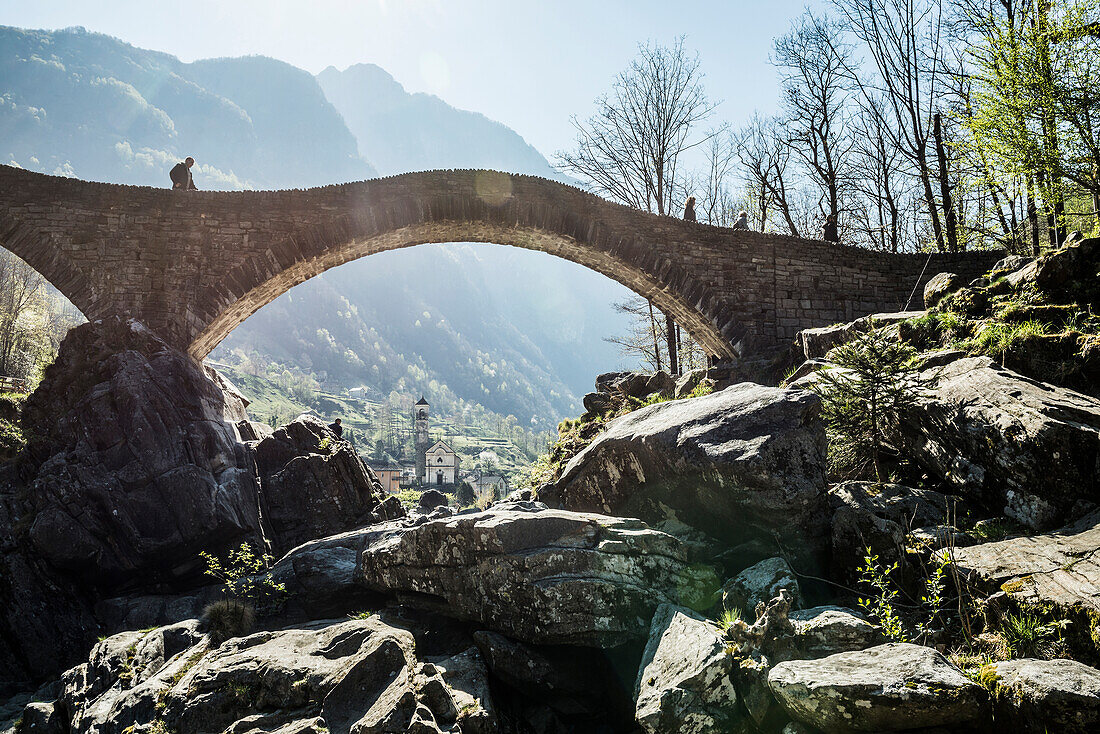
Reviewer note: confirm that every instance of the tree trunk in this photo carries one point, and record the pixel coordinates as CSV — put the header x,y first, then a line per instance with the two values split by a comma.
x,y
930,199
1033,217
945,186
673,357
653,330
1052,220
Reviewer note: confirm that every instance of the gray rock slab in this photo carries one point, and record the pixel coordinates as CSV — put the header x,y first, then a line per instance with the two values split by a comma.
x,y
548,577
1049,695
892,687
684,681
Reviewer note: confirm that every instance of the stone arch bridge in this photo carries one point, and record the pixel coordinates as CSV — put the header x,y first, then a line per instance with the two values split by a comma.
x,y
194,265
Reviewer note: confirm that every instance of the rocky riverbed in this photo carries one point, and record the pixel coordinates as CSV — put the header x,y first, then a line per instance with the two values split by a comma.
x,y
692,565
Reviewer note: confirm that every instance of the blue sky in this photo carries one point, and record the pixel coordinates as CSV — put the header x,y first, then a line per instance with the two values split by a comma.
x,y
529,65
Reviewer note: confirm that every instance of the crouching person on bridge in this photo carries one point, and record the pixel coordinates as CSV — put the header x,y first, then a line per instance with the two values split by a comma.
x,y
181,175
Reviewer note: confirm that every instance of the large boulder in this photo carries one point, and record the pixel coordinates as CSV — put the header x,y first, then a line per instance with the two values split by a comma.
x,y
1048,695
1058,572
874,516
892,687
827,630
685,681
940,285
321,576
542,576
760,583
358,675
1022,448
312,484
739,465
139,465
432,499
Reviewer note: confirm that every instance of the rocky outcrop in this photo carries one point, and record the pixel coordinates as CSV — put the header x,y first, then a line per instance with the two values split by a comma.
x,y
543,576
1022,448
1040,696
685,680
139,464
816,343
823,631
759,584
1066,274
359,675
1058,570
892,687
939,286
869,515
312,484
738,465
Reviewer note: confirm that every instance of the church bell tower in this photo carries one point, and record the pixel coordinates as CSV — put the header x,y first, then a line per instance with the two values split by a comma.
x,y
421,440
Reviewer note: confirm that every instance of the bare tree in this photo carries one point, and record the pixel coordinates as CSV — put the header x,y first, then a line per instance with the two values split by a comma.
x,y
630,149
765,156
814,62
643,341
903,39
882,184
716,202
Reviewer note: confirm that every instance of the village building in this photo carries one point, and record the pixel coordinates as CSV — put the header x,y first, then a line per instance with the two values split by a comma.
x,y
492,484
442,465
391,476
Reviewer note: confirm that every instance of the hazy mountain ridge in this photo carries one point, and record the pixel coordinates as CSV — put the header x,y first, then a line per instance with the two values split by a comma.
x,y
399,131
517,332
88,105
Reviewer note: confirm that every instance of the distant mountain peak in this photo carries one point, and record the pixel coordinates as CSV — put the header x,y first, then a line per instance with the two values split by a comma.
x,y
400,132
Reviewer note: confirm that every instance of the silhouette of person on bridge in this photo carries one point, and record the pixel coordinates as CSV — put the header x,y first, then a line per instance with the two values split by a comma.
x,y
336,428
742,221
689,210
829,231
181,175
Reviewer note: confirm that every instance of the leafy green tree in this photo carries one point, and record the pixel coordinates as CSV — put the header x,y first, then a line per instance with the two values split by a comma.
x,y
1035,113
876,382
465,494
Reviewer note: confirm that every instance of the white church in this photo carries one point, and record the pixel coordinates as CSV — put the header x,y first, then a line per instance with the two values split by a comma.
x,y
441,465
435,464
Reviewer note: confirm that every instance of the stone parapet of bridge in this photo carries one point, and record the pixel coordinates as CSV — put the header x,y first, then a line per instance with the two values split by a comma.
x,y
193,265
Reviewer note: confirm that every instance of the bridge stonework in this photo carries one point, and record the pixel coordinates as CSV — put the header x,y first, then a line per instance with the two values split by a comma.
x,y
194,265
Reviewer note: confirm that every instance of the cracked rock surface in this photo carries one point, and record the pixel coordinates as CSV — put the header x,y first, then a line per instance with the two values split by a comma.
x,y
890,687
539,575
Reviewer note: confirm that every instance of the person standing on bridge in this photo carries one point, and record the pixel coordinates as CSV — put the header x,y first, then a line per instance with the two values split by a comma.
x,y
742,220
689,210
181,175
829,231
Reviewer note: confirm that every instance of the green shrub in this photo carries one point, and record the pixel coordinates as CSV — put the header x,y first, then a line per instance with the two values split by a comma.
x,y
880,602
1026,635
861,402
996,338
247,583
226,619
728,618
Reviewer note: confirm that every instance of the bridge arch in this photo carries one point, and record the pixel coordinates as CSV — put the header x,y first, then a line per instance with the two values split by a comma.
x,y
272,278
193,265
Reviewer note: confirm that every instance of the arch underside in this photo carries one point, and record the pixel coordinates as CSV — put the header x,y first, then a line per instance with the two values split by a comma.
x,y
694,318
40,251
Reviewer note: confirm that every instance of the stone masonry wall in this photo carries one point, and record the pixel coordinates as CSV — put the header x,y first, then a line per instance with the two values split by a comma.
x,y
193,265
